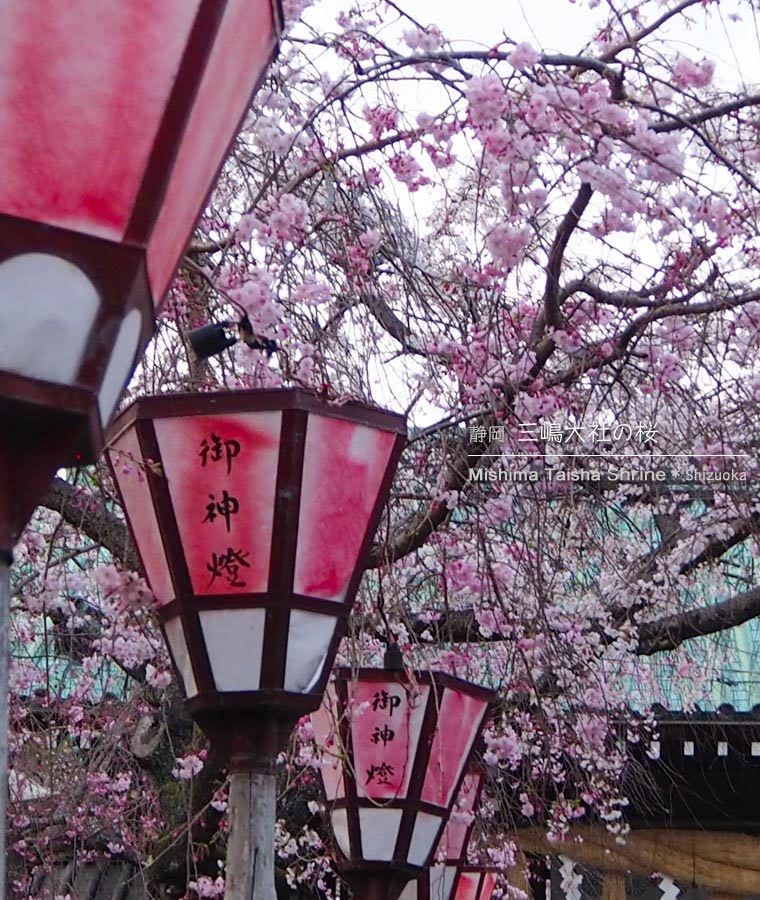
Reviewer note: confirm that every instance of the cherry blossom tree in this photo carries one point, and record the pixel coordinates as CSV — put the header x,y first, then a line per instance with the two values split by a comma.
x,y
547,260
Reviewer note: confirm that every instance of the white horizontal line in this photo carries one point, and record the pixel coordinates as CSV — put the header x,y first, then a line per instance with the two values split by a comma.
x,y
611,456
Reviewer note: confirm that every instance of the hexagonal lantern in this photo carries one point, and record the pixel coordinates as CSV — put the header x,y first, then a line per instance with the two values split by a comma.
x,y
451,878
395,750
115,119
253,513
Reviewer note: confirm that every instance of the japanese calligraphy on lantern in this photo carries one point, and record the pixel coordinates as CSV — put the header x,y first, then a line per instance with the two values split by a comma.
x,y
222,474
225,508
227,565
385,731
214,449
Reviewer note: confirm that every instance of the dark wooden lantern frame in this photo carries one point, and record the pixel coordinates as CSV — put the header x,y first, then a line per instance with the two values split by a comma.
x,y
250,727
378,880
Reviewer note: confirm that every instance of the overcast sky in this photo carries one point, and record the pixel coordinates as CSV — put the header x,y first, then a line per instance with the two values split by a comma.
x,y
561,25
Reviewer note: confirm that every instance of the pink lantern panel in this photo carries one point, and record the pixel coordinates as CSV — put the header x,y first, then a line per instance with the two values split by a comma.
x,y
452,847
126,458
104,103
344,464
475,883
224,494
448,754
85,86
452,883
384,730
230,509
327,737
243,49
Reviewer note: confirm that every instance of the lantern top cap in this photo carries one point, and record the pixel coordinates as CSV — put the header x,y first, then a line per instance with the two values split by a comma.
x,y
440,679
168,406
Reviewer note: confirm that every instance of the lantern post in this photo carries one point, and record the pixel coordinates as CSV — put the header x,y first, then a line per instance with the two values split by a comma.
x,y
253,513
115,119
396,746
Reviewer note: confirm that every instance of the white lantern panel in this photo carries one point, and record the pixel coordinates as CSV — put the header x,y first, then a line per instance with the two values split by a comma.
x,y
120,364
379,828
222,476
344,465
47,309
451,747
178,647
425,832
309,637
126,458
326,737
339,822
83,87
234,641
240,55
442,882
410,890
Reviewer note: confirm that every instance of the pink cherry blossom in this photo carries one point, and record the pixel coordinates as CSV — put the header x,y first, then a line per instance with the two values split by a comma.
x,y
523,56
690,74
486,98
508,243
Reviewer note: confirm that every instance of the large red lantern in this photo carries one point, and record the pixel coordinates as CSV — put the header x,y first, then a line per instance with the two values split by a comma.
x,y
115,118
395,750
253,513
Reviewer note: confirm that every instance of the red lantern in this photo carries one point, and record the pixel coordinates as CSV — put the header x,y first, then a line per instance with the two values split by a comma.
x,y
253,513
115,119
452,878
453,883
395,752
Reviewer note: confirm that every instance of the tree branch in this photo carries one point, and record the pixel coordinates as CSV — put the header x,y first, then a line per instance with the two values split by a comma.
x,y
550,314
670,632
89,515
714,112
667,633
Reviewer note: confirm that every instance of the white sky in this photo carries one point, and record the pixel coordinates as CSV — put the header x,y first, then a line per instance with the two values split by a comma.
x,y
560,25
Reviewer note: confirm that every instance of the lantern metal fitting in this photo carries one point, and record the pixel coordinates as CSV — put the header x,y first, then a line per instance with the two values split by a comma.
x,y
211,340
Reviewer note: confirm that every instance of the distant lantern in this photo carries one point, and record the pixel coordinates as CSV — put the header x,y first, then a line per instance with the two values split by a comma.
x,y
253,513
453,883
115,119
451,878
395,750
